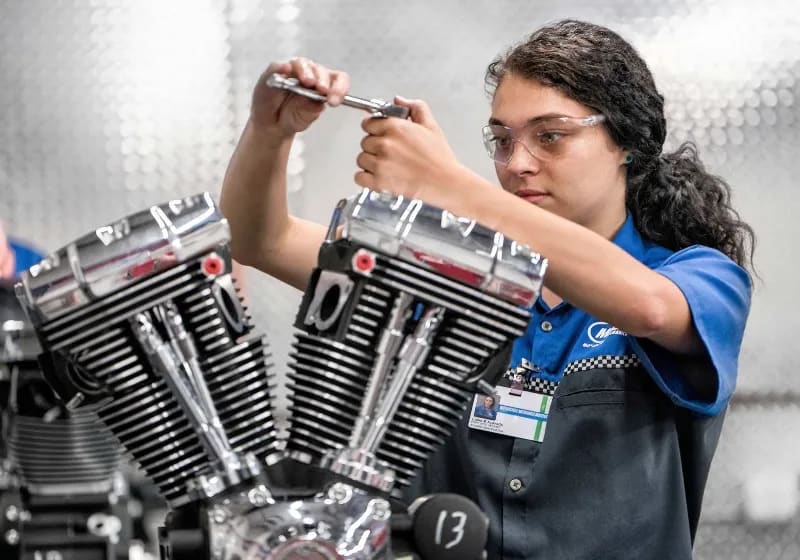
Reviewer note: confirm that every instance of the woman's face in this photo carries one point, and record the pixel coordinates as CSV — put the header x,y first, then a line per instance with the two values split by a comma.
x,y
585,183
488,402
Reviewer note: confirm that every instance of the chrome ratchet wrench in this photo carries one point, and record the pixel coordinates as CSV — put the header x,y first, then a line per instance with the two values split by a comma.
x,y
378,107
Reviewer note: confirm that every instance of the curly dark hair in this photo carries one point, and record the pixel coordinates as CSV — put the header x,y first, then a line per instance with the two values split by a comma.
x,y
674,201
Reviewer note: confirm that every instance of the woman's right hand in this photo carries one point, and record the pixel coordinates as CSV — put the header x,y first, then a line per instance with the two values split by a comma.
x,y
280,111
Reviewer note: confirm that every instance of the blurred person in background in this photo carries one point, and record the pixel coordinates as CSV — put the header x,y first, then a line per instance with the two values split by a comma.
x,y
15,256
646,296
7,260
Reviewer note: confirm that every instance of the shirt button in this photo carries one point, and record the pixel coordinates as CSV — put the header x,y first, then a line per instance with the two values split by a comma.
x,y
547,326
515,484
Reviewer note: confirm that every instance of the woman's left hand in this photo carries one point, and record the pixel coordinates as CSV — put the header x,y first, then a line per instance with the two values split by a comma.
x,y
408,157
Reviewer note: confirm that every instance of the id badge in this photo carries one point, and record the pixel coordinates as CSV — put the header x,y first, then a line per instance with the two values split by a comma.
x,y
517,408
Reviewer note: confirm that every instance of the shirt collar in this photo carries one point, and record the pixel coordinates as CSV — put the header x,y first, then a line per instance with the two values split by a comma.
x,y
629,239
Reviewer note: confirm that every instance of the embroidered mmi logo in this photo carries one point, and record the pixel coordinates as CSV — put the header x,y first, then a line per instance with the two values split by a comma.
x,y
598,333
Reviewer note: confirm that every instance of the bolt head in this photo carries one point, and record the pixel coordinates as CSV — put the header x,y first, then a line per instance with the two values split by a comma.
x,y
381,509
12,537
340,493
12,513
219,516
258,497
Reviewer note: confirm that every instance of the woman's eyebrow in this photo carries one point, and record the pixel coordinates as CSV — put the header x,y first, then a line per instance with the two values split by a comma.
x,y
532,120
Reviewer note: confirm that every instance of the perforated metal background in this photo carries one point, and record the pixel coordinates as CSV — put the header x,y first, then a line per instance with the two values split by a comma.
x,y
107,106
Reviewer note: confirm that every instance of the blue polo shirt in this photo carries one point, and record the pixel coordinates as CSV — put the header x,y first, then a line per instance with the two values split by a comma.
x,y
718,293
631,431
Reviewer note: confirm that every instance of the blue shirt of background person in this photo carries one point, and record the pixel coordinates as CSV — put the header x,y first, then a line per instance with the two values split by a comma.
x,y
25,256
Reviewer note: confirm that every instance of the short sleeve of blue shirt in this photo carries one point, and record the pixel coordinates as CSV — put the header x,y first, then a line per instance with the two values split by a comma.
x,y
718,293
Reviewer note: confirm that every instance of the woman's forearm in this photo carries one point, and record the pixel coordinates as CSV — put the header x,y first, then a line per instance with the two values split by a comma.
x,y
254,193
585,268
263,234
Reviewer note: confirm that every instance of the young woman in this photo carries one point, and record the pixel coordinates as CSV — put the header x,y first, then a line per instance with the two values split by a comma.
x,y
640,323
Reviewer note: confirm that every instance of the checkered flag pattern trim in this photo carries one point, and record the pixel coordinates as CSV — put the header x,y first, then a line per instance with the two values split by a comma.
x,y
542,386
532,382
603,362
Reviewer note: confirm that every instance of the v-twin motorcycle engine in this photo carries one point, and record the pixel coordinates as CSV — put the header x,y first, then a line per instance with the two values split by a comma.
x,y
410,311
